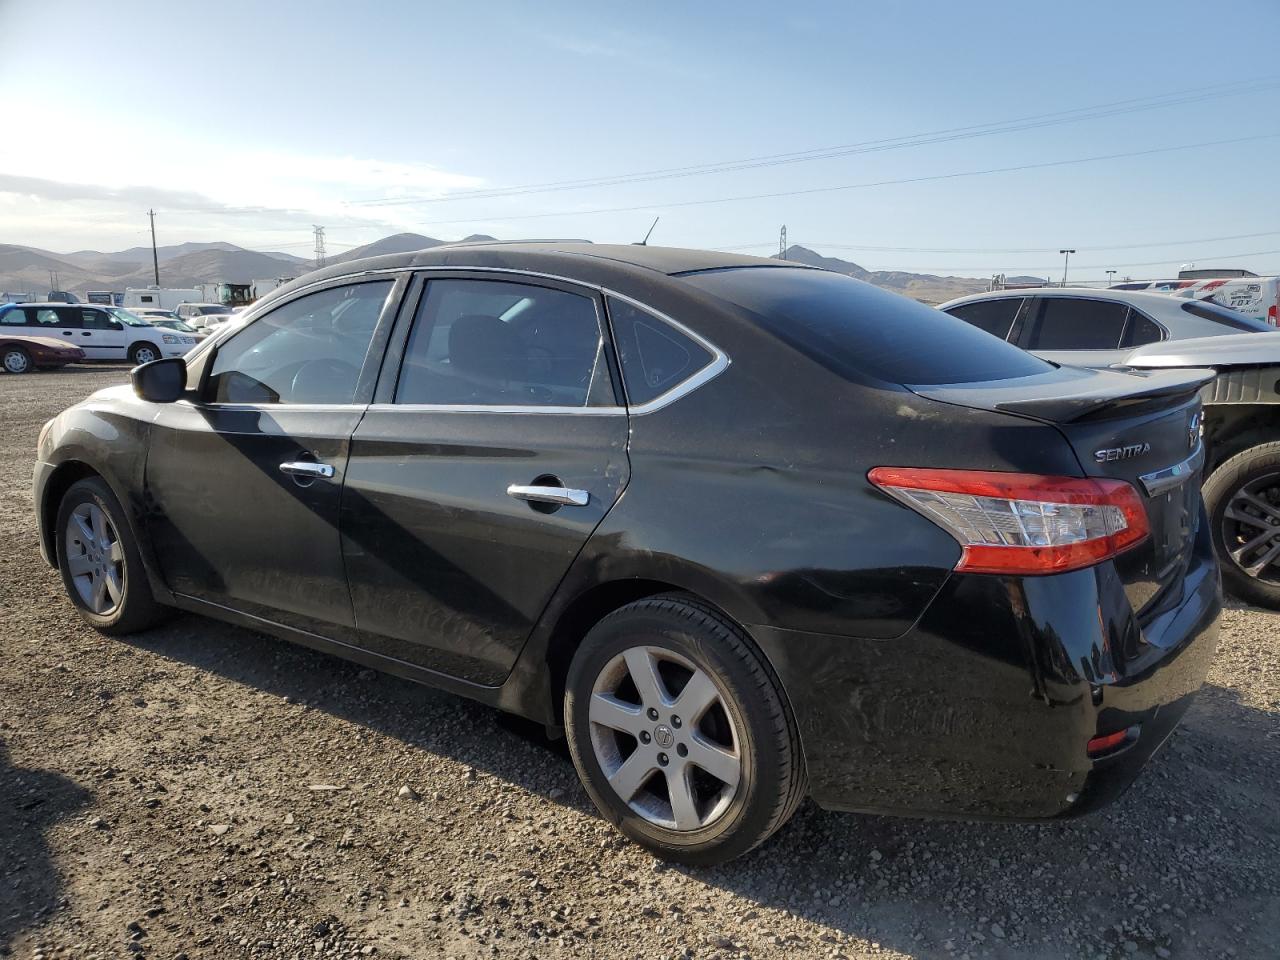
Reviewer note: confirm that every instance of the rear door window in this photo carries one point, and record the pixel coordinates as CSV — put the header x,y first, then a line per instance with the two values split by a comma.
x,y
994,316
506,344
1076,323
860,331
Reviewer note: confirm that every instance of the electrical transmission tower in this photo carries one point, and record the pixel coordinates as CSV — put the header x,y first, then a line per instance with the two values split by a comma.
x,y
319,232
782,243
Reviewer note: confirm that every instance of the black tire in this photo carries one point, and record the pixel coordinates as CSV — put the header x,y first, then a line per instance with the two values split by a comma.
x,y
138,348
1250,471
137,609
15,360
772,781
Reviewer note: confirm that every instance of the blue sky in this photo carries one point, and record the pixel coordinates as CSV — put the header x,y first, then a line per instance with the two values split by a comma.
x,y
249,122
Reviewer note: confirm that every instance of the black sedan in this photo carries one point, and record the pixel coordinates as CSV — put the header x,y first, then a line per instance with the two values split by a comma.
x,y
743,531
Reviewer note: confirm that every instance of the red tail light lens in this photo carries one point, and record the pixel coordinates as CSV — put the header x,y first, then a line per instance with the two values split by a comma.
x,y
1021,523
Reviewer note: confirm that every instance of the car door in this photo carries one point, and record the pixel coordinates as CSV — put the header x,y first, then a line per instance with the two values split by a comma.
x,y
1080,331
101,336
244,480
495,447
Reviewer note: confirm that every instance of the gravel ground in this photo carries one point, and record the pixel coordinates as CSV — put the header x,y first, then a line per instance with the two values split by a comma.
x,y
202,791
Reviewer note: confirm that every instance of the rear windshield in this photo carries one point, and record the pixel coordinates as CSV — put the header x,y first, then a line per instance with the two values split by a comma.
x,y
859,331
1226,316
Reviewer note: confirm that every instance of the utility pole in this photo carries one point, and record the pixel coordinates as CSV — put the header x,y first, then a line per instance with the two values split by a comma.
x,y
1066,259
319,232
155,255
782,243
1111,275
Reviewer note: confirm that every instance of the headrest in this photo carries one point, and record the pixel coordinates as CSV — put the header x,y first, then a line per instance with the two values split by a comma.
x,y
485,346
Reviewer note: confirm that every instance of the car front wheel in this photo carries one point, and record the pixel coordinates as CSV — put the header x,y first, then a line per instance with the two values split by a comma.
x,y
99,561
680,732
15,360
1242,498
144,353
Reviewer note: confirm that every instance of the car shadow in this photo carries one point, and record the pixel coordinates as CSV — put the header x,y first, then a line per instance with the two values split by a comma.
x,y
31,801
910,885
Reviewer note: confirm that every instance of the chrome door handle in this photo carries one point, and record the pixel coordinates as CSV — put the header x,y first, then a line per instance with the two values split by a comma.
x,y
307,468
562,495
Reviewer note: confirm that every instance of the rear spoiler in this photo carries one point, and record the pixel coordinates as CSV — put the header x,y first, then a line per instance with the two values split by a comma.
x,y
1069,394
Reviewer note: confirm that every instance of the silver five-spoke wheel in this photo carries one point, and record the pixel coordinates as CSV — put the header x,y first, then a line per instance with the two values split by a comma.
x,y
95,558
664,739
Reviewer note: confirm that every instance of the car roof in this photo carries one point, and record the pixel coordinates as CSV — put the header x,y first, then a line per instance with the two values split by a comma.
x,y
570,258
1138,298
58,303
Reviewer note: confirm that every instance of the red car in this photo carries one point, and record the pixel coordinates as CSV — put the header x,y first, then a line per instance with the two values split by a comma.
x,y
22,354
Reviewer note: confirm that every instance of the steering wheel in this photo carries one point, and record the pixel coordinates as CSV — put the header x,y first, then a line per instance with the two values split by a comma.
x,y
315,380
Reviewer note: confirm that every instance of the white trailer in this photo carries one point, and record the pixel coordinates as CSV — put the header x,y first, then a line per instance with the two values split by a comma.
x,y
158,297
1257,297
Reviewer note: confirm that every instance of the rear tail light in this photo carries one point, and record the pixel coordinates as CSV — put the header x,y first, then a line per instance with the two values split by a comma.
x,y
1272,317
1021,523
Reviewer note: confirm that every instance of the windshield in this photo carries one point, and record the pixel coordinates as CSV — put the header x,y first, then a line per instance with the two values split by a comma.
x,y
127,318
212,309
180,325
857,330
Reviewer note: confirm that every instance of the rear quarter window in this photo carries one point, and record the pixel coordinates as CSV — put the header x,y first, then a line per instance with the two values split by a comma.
x,y
860,331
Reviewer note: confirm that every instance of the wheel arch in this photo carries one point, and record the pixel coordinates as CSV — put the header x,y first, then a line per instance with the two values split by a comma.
x,y
1231,428
60,481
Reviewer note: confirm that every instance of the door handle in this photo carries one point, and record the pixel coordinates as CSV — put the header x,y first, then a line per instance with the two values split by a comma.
x,y
540,494
307,468
86,333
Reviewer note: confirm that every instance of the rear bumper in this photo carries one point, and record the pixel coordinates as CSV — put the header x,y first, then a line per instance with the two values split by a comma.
x,y
984,708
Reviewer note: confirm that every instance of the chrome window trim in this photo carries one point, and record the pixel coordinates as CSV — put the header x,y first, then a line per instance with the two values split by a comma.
x,y
719,359
269,407
494,408
719,363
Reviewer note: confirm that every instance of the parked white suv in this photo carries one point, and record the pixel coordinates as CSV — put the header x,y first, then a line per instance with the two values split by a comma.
x,y
103,333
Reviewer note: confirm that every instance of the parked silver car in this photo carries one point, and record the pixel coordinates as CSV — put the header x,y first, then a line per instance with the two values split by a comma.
x,y
1103,328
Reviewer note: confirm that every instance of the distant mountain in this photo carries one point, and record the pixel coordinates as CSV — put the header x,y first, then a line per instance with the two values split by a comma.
x,y
396,243
27,269
924,287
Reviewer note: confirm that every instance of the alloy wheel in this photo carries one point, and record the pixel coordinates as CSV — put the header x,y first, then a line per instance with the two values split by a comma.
x,y
1251,528
95,559
664,739
16,361
144,355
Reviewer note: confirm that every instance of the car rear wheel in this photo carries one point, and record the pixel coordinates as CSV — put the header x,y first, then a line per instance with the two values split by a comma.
x,y
15,360
681,733
144,353
99,561
1242,498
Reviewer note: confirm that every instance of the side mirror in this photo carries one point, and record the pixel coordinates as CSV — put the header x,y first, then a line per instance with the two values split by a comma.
x,y
160,381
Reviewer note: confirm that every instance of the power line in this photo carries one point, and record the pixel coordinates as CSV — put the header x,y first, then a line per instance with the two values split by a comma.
x,y
990,128
853,186
1087,247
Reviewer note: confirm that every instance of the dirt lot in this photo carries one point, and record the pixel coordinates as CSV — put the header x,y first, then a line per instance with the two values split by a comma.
x,y
201,791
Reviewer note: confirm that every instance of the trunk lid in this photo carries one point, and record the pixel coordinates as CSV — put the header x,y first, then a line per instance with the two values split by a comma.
x,y
1142,427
